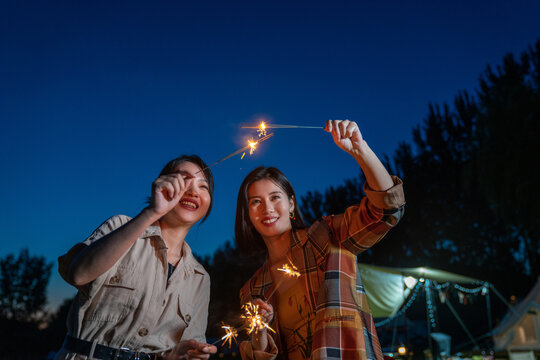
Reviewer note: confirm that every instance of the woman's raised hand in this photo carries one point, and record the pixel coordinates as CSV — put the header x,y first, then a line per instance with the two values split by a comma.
x,y
167,190
346,135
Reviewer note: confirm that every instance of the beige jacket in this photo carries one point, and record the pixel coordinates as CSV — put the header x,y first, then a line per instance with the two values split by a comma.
x,y
133,305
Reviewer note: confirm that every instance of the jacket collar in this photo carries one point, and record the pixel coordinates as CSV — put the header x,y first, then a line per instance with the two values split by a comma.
x,y
188,263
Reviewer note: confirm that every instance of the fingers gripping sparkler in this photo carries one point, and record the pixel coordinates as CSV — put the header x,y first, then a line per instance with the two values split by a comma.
x,y
255,322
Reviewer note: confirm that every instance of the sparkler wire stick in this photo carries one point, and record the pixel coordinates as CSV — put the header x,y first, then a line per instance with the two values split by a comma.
x,y
245,148
277,126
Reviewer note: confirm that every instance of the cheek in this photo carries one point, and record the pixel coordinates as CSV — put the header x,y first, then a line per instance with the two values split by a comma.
x,y
252,213
206,201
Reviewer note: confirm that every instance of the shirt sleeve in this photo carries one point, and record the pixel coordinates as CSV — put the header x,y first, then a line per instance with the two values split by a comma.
x,y
65,260
361,226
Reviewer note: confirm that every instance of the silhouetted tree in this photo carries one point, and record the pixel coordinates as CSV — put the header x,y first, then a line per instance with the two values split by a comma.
x,y
507,153
471,202
23,282
228,271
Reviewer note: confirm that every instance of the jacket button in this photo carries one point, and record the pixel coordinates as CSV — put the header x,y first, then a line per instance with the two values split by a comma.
x,y
114,280
188,318
143,331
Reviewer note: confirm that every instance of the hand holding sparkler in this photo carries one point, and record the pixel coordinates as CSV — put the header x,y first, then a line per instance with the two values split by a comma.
x,y
258,314
349,138
346,135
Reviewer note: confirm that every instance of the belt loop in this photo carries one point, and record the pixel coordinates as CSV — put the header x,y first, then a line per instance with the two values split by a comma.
x,y
92,349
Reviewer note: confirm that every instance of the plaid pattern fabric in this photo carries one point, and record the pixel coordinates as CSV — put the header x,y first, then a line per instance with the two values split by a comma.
x,y
325,254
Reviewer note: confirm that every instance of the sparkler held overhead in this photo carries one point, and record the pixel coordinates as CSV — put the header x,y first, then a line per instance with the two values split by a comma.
x,y
252,146
261,128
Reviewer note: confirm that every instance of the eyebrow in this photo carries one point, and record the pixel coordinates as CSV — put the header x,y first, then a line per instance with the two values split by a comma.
x,y
184,172
272,193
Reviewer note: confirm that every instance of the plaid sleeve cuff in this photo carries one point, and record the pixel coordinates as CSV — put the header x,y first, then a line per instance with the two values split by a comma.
x,y
392,198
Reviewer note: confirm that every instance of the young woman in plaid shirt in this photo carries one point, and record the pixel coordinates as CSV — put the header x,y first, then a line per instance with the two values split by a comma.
x,y
323,313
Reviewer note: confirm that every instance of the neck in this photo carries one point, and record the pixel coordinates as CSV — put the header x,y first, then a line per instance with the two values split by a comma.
x,y
174,237
277,246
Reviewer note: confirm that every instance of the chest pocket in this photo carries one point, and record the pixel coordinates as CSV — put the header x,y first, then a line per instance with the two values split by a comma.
x,y
116,297
174,325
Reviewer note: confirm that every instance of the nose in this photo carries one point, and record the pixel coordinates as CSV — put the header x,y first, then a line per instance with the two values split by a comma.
x,y
191,189
268,207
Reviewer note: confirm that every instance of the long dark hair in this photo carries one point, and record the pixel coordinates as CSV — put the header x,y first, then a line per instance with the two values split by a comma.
x,y
171,168
247,239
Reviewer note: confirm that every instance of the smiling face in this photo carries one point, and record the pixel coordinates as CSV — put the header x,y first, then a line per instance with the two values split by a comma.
x,y
269,208
196,200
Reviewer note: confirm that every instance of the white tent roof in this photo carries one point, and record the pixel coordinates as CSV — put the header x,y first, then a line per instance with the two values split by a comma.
x,y
387,288
520,328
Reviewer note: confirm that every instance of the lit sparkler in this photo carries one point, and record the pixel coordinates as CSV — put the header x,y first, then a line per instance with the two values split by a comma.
x,y
263,126
289,270
252,145
262,129
255,322
230,335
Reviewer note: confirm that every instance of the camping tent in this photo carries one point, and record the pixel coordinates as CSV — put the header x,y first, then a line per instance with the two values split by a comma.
x,y
387,288
520,329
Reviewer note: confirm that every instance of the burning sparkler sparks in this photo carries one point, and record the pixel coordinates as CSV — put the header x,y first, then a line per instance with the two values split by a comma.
x,y
252,145
262,129
289,270
255,322
230,335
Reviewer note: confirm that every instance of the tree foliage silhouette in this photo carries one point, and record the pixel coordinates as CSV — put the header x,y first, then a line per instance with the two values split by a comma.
x,y
23,283
472,206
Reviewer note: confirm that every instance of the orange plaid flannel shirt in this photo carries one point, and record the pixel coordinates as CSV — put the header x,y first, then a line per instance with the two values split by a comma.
x,y
325,254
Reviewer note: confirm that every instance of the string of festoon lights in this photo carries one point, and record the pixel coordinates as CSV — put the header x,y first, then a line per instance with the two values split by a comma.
x,y
415,292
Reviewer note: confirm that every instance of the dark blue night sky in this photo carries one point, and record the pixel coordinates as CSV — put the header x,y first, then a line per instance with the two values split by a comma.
x,y
95,97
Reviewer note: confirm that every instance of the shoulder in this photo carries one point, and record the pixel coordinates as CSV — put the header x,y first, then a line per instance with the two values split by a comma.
x,y
109,225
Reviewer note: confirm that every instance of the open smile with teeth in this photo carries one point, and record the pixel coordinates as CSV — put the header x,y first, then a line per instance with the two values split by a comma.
x,y
189,204
270,221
